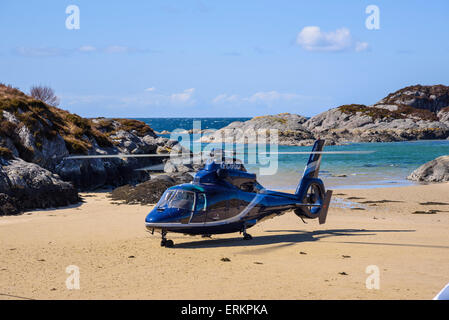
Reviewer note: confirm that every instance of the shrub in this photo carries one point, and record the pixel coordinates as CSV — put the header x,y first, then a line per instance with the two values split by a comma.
x,y
45,94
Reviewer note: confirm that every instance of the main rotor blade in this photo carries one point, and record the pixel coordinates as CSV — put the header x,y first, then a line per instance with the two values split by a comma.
x,y
190,155
156,167
143,155
306,152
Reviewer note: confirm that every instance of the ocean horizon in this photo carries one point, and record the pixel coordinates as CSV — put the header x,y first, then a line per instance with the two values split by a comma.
x,y
388,166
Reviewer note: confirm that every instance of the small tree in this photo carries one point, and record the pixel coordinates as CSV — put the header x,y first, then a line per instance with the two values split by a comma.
x,y
45,94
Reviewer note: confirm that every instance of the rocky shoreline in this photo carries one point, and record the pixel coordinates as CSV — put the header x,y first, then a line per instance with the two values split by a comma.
x,y
36,138
413,113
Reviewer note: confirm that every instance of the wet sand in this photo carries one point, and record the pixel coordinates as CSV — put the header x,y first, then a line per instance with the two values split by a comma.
x,y
404,232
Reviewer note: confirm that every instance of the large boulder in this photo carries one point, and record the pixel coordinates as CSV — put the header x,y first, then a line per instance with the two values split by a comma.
x,y
25,186
436,170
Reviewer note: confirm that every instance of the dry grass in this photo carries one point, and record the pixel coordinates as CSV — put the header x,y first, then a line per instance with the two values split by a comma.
x,y
45,121
5,153
111,126
402,112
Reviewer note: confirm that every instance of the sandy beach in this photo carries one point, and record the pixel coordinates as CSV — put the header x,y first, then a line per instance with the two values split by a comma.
x,y
287,259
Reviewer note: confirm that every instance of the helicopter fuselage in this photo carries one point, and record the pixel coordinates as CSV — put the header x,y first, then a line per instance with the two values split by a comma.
x,y
216,208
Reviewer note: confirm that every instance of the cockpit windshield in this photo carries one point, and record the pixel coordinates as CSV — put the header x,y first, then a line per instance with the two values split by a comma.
x,y
163,201
180,199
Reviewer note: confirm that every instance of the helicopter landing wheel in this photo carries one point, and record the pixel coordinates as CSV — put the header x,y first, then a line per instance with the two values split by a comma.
x,y
164,242
247,236
167,243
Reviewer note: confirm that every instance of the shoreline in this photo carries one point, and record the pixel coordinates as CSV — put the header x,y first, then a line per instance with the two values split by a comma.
x,y
118,259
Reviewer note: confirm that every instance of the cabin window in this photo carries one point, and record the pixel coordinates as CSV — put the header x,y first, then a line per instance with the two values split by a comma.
x,y
200,202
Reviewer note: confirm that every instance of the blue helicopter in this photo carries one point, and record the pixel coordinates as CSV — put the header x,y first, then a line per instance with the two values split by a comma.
x,y
224,198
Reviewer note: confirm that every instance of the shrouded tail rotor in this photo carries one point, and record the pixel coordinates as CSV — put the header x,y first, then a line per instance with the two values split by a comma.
x,y
314,200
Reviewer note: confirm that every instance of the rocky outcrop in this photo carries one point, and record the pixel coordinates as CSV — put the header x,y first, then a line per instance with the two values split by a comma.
x,y
382,123
36,138
431,98
436,170
290,130
45,135
150,191
25,186
413,113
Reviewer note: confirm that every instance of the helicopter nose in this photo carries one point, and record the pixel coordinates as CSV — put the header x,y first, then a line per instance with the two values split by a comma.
x,y
156,216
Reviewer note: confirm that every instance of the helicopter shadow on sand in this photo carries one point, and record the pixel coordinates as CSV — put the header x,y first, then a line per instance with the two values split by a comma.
x,y
287,238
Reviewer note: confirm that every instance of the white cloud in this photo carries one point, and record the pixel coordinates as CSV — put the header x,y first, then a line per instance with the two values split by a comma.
x,y
112,49
361,46
225,98
116,49
183,97
271,96
87,49
40,52
154,97
52,52
261,97
311,38
138,100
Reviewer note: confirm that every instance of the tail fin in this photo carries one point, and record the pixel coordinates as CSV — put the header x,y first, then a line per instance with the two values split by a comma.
x,y
313,165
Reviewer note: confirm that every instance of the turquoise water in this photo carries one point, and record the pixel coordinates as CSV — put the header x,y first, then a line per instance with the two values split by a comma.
x,y
170,124
391,163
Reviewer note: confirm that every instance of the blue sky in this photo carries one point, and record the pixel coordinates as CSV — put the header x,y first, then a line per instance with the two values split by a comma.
x,y
221,58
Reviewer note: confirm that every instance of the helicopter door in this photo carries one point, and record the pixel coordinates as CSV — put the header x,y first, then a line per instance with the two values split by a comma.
x,y
199,214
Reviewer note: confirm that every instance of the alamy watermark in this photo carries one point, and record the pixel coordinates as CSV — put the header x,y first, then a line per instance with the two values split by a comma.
x,y
73,280
373,280
372,22
72,22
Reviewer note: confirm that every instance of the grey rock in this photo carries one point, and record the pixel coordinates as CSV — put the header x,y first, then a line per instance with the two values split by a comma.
x,y
96,173
289,126
10,117
443,116
432,98
436,170
341,127
25,186
172,166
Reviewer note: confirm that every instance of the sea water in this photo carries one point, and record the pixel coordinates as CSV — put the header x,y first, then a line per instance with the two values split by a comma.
x,y
389,165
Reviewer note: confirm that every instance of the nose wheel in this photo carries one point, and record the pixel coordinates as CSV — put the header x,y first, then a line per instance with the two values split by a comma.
x,y
246,236
165,242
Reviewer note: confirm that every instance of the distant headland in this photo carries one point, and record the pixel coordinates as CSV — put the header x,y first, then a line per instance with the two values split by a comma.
x,y
412,113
